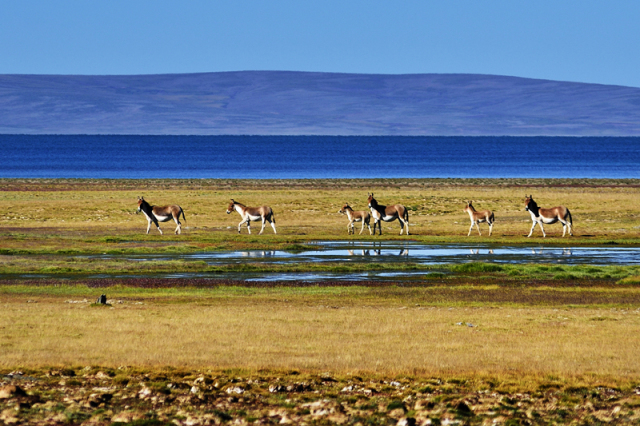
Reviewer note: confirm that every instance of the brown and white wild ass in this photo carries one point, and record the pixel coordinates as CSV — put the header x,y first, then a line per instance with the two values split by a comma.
x,y
248,214
548,216
479,217
388,214
157,214
356,216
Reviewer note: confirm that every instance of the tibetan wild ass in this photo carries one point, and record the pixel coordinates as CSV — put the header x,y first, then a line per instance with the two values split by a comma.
x,y
248,214
157,214
359,216
388,214
548,216
479,217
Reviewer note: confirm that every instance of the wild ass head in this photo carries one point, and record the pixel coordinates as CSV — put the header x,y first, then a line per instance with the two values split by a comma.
x,y
372,201
344,208
141,204
231,206
529,204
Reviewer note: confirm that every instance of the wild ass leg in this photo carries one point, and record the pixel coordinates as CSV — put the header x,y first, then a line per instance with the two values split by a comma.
x,y
156,223
379,223
350,227
264,222
273,225
564,227
478,226
490,228
179,225
532,226
470,228
401,225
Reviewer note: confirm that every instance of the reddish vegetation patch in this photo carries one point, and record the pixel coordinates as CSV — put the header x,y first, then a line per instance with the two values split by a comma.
x,y
534,292
247,184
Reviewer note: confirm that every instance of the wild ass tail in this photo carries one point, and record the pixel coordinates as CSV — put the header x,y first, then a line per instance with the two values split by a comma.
x,y
183,218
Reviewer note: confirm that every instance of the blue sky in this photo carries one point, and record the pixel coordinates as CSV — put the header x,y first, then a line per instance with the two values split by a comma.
x,y
586,41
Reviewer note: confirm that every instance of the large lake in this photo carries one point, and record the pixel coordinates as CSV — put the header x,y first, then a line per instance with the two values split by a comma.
x,y
314,157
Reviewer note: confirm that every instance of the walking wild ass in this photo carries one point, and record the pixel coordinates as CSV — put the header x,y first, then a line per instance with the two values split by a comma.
x,y
359,216
248,214
388,214
157,214
479,217
548,216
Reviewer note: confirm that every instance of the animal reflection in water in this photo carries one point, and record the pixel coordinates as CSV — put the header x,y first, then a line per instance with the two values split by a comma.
x,y
388,214
565,251
249,214
374,252
548,216
356,216
157,214
263,253
479,217
477,251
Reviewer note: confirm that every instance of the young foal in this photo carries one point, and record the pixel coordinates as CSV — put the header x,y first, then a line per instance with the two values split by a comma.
x,y
248,214
388,214
548,216
479,217
359,216
157,214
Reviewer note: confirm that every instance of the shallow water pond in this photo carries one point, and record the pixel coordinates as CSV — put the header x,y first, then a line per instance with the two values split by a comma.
x,y
387,252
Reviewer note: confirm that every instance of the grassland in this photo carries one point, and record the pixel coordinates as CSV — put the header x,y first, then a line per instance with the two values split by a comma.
x,y
474,343
49,216
433,354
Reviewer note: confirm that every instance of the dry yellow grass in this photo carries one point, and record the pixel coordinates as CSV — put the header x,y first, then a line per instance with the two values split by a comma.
x,y
311,208
344,330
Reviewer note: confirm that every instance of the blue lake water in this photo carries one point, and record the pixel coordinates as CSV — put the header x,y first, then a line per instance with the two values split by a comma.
x,y
315,157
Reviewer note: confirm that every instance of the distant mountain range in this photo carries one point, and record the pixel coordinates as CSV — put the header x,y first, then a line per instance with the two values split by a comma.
x,y
306,103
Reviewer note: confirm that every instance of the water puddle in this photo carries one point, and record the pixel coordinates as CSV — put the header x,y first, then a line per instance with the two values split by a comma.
x,y
398,251
385,252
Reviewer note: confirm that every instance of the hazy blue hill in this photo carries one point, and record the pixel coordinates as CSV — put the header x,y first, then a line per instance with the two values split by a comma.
x,y
292,103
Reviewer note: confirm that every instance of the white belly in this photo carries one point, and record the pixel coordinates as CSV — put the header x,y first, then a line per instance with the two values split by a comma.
x,y
389,218
255,218
163,218
549,221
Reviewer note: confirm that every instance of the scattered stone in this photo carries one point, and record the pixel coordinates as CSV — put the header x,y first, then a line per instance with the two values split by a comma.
x,y
235,389
144,393
276,388
11,391
126,417
102,375
9,417
407,421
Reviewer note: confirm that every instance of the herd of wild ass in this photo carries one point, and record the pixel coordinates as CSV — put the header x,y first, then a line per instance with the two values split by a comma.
x,y
378,212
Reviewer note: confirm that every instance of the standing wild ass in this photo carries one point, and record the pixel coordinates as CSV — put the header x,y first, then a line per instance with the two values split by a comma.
x,y
548,216
157,214
479,217
359,216
388,214
248,214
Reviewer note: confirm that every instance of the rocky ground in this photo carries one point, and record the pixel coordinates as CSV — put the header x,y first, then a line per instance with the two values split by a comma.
x,y
100,396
